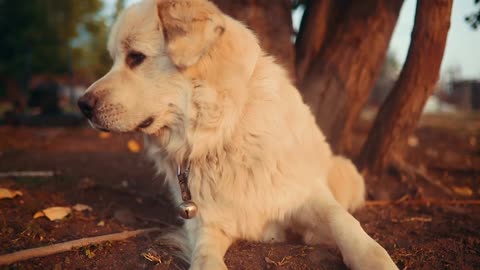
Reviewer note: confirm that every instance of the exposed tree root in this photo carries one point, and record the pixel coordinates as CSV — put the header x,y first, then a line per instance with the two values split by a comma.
x,y
66,246
399,164
438,202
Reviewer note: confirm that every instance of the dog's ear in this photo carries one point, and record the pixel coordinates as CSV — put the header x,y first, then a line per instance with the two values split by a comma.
x,y
190,27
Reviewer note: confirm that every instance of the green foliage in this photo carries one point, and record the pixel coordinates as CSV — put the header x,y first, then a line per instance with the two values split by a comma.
x,y
51,37
119,6
474,18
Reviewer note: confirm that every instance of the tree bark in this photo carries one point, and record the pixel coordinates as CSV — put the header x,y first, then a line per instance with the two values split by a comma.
x,y
272,22
399,115
340,79
317,23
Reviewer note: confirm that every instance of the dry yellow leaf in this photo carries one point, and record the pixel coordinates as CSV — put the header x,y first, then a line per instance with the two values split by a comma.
x,y
133,146
412,141
54,213
152,256
6,193
81,207
38,214
473,141
464,191
104,135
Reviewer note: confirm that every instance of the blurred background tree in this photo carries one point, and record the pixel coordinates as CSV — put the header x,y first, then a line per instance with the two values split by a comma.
x,y
54,38
474,19
119,6
338,56
399,114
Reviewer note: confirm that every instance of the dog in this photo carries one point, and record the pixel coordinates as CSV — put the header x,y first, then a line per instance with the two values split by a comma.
x,y
211,103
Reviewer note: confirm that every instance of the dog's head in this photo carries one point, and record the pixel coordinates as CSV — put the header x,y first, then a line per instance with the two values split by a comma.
x,y
151,44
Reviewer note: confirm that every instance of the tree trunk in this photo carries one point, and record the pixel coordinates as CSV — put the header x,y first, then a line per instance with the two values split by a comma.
x,y
340,79
398,116
319,19
271,21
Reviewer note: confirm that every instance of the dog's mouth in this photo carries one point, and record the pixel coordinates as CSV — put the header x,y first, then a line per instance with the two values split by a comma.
x,y
96,126
145,123
140,127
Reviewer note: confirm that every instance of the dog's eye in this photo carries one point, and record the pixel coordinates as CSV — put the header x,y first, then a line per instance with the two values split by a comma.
x,y
135,58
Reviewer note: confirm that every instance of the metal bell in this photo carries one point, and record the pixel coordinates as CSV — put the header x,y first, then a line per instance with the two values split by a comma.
x,y
187,210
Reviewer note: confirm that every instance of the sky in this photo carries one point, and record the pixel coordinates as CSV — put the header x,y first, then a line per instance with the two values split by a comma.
x,y
463,44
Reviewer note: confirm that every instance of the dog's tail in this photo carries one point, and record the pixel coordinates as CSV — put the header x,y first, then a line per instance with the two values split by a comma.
x,y
175,240
346,183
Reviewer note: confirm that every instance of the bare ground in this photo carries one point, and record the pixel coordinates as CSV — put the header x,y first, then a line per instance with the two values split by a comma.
x,y
420,225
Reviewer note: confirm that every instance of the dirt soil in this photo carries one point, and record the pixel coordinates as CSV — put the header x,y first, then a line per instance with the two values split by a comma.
x,y
422,225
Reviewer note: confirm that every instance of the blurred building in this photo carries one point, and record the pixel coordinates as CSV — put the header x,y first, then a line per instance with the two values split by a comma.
x,y
463,94
55,94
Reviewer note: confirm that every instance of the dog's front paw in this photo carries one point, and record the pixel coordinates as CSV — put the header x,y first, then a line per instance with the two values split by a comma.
x,y
374,257
208,263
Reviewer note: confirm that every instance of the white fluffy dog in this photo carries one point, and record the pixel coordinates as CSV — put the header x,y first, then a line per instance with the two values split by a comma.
x,y
196,82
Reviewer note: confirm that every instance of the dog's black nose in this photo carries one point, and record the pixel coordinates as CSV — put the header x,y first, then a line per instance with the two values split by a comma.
x,y
87,104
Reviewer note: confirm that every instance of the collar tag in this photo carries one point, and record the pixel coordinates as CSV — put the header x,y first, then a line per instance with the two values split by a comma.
x,y
187,209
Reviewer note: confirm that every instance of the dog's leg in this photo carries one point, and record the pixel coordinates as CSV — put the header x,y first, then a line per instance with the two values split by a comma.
x,y
209,248
274,232
326,216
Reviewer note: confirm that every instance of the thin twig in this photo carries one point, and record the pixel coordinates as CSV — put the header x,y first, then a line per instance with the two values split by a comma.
x,y
28,174
423,202
66,246
401,165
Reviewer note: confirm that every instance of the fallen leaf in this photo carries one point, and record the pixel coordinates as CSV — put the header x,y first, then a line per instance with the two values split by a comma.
x,y
431,152
101,223
412,141
54,213
6,193
38,214
104,135
90,254
464,191
152,256
473,141
133,146
81,207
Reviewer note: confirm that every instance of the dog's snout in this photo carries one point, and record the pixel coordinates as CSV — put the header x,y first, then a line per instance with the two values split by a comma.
x,y
87,104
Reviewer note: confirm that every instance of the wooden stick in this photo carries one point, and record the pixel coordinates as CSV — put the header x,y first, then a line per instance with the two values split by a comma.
x,y
423,202
28,174
66,246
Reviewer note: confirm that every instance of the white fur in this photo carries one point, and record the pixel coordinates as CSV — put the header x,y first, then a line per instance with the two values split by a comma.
x,y
259,163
